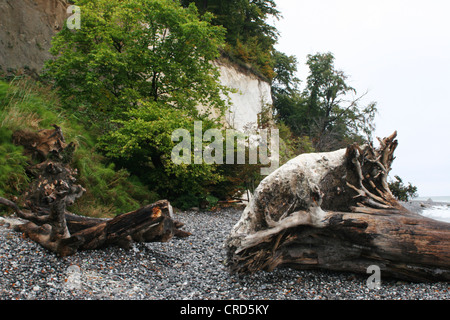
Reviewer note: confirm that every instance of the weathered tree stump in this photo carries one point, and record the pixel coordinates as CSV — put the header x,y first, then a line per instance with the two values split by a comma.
x,y
55,188
335,211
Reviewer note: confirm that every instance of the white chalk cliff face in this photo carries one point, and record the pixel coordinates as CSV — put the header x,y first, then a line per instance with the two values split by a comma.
x,y
254,94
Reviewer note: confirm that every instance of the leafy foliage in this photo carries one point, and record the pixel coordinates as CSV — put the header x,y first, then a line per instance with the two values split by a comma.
x,y
401,191
143,143
249,37
327,110
109,191
133,50
287,99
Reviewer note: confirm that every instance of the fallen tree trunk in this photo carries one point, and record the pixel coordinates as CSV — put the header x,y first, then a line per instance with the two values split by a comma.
x,y
152,223
335,211
54,189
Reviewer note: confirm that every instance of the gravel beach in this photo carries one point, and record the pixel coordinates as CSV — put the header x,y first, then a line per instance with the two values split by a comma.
x,y
191,269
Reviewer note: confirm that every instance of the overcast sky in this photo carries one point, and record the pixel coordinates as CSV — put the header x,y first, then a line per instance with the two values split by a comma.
x,y
399,51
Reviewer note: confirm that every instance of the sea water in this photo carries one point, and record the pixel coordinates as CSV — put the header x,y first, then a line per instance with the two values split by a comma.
x,y
439,208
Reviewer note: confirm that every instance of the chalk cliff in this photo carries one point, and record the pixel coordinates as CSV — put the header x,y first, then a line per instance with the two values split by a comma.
x,y
252,96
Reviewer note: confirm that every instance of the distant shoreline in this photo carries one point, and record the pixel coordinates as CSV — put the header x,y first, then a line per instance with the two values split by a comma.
x,y
434,199
417,206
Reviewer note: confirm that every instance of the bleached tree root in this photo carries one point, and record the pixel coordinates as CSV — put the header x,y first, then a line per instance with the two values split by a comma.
x,y
335,211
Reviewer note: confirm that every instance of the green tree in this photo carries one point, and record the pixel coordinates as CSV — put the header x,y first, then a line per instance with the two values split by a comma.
x,y
138,70
288,101
285,81
249,36
332,109
327,111
132,50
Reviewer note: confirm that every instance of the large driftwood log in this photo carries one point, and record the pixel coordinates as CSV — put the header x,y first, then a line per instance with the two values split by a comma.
x,y
54,189
335,211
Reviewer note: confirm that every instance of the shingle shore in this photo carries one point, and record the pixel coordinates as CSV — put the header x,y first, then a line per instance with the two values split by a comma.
x,y
191,268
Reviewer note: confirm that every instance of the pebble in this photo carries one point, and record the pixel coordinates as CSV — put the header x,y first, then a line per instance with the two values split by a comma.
x,y
191,269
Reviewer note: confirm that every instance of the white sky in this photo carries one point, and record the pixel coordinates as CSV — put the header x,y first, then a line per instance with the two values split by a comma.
x,y
398,50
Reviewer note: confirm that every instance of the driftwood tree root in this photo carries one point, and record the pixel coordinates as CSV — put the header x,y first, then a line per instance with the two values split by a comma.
x,y
335,211
54,189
